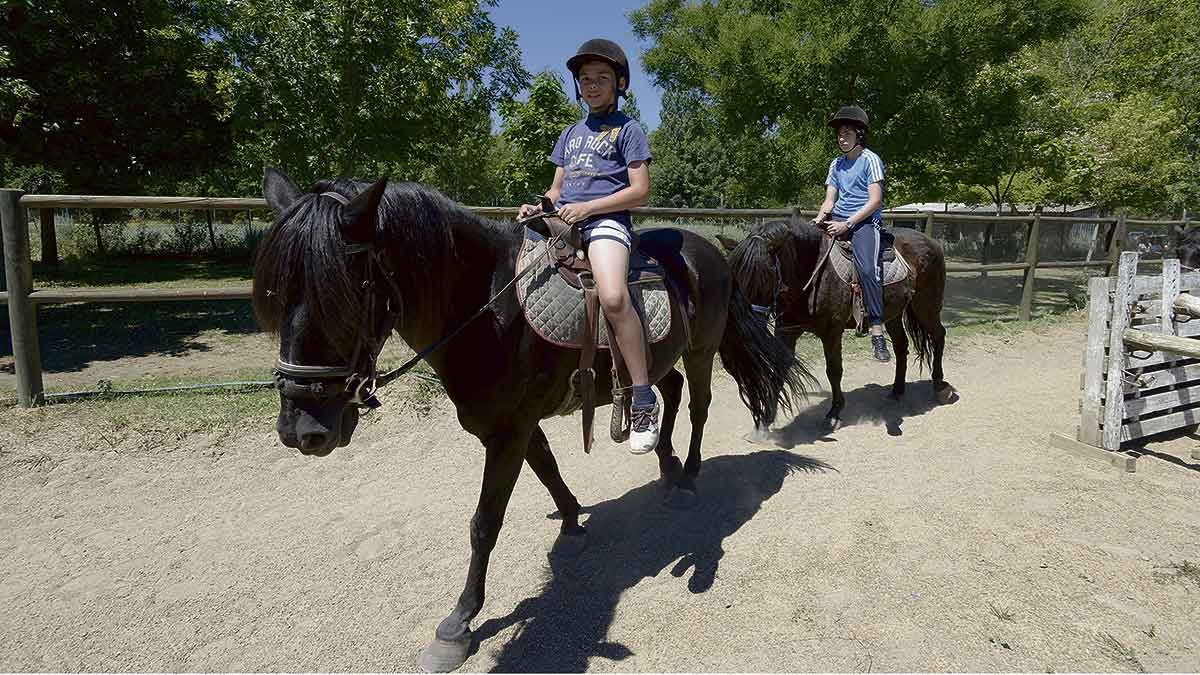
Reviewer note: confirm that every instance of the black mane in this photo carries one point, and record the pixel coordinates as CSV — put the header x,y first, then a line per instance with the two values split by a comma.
x,y
303,258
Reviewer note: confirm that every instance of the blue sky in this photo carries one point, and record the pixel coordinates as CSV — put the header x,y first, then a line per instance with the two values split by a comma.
x,y
550,32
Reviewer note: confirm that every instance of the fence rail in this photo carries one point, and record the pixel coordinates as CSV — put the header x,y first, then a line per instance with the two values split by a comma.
x,y
22,300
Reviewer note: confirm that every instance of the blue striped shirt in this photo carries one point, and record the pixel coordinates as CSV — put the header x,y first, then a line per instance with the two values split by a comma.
x,y
851,178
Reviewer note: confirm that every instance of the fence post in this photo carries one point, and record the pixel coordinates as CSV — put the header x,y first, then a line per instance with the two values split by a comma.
x,y
1114,399
1031,259
929,224
1116,245
22,317
49,238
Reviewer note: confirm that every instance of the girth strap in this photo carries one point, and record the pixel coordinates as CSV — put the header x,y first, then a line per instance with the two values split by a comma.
x,y
587,357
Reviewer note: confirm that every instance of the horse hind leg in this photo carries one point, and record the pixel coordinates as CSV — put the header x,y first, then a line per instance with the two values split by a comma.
x,y
671,388
699,381
572,537
895,329
927,315
942,389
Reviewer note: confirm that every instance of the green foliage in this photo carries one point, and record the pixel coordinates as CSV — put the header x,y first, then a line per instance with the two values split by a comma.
x,y
107,97
774,71
325,88
528,133
1129,84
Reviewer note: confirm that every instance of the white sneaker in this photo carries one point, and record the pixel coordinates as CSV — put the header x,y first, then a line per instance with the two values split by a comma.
x,y
643,432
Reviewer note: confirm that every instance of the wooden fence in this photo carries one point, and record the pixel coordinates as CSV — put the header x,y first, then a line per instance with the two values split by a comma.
x,y
22,298
1141,361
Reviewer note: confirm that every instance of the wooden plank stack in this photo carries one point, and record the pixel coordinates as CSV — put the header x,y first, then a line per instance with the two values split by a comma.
x,y
1141,364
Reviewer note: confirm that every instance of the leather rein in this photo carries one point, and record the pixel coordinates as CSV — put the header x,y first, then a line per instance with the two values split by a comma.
x,y
363,386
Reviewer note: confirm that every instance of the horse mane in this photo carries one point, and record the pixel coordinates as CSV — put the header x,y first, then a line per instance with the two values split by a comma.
x,y
303,258
753,261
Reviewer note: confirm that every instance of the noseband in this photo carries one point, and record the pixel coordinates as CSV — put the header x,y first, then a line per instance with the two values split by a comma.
x,y
361,387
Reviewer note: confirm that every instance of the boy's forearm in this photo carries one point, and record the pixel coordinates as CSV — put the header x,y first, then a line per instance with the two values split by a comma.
x,y
864,213
826,208
623,200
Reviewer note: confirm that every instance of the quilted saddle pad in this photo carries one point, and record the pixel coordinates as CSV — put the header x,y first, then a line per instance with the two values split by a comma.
x,y
555,311
894,271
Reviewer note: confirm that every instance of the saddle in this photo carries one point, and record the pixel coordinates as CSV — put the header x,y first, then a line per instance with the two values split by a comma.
x,y
560,302
895,270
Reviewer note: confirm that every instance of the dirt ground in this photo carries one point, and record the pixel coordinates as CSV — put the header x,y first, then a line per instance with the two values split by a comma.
x,y
916,538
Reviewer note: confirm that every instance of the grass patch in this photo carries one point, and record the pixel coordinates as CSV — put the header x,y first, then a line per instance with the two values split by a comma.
x,y
1000,612
1180,572
1118,650
146,272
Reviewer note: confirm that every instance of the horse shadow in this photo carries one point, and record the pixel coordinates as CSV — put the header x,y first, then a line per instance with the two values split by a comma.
x,y
631,538
871,403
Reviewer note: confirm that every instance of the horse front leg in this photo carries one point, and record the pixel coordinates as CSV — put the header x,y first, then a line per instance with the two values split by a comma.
x,y
505,453
831,341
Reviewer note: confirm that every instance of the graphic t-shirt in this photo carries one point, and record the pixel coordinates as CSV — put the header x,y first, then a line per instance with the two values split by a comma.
x,y
595,154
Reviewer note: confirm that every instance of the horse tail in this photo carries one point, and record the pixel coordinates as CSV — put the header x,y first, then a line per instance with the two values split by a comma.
x,y
919,339
768,374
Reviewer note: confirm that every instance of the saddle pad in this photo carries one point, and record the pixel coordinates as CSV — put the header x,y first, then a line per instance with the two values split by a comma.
x,y
894,271
555,311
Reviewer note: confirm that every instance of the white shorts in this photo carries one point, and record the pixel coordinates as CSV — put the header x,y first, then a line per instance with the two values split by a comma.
x,y
605,228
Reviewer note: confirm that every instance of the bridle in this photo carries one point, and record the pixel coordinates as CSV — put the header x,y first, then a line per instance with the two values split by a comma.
x,y
769,312
363,386
360,386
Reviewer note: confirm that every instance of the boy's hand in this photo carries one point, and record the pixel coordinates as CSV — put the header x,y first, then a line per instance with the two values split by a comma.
x,y
837,228
573,213
528,210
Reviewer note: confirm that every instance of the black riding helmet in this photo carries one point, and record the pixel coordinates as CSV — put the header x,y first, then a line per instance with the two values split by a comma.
x,y
599,49
854,116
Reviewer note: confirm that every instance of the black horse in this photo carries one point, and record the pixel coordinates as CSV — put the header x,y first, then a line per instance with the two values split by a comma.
x,y
347,262
775,263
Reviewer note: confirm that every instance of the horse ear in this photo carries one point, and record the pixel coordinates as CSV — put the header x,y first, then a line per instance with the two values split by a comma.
x,y
727,243
360,216
278,190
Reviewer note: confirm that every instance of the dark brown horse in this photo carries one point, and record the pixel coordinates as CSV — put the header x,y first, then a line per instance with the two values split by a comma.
x,y
346,263
775,262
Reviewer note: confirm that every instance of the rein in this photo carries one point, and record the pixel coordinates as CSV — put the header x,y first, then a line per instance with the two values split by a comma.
x,y
363,388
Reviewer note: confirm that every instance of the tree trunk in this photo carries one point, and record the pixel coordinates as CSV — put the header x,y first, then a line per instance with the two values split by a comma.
x,y
97,221
212,236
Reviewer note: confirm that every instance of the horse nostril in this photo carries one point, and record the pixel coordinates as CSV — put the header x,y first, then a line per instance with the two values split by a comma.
x,y
313,440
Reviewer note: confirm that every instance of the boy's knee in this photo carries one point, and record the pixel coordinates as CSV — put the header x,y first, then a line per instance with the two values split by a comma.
x,y
613,299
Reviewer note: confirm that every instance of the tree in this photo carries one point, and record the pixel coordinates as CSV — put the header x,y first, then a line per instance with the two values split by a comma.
x,y
108,97
351,87
528,133
775,70
1130,83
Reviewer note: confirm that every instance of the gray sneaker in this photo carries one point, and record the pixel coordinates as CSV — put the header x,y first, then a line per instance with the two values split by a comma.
x,y
643,432
879,345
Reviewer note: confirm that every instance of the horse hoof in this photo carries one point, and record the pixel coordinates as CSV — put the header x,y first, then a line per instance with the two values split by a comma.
x,y
945,394
569,545
760,436
444,656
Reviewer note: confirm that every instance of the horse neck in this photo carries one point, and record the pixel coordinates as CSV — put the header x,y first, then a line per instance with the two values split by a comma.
x,y
805,254
445,285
